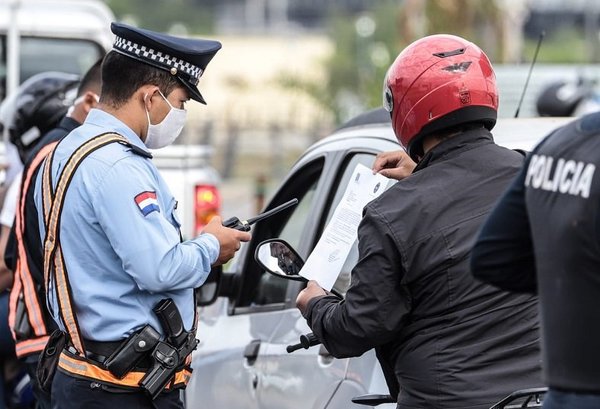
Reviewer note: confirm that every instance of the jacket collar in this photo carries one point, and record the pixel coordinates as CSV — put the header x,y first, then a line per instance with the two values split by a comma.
x,y
454,146
108,122
68,123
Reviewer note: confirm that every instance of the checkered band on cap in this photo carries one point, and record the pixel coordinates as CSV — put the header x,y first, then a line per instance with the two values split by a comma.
x,y
159,58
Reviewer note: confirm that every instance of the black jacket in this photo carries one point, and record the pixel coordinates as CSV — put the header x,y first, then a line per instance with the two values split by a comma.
x,y
452,341
544,236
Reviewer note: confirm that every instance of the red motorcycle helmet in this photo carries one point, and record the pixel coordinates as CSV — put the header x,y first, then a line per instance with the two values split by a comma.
x,y
439,82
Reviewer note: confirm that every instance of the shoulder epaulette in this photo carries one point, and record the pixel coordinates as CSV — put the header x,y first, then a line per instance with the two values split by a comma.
x,y
139,151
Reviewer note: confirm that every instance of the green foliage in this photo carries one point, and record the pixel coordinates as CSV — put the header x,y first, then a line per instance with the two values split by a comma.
x,y
357,67
566,45
362,55
355,70
313,89
161,15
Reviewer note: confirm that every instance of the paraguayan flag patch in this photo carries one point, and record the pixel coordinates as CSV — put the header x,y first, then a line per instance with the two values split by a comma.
x,y
147,202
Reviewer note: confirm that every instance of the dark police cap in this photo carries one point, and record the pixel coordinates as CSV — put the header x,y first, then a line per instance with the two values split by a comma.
x,y
184,58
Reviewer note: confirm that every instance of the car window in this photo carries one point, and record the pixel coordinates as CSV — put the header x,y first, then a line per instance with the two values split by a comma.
x,y
292,230
56,54
260,288
40,54
272,289
343,281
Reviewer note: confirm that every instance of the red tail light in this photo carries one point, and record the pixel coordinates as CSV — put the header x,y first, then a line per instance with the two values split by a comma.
x,y
207,204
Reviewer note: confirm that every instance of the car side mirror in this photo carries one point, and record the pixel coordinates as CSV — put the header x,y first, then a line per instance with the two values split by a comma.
x,y
280,259
208,292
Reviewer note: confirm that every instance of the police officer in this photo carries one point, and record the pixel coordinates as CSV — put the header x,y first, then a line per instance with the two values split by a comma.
x,y
542,237
111,234
443,339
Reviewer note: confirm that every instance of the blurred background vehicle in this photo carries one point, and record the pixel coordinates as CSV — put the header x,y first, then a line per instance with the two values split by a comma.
x,y
242,361
38,36
193,182
568,97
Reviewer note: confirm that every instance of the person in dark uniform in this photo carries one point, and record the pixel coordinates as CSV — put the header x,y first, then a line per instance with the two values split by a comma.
x,y
543,237
444,339
23,253
120,280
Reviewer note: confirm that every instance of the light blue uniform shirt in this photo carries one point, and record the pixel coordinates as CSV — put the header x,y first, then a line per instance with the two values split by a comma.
x,y
120,262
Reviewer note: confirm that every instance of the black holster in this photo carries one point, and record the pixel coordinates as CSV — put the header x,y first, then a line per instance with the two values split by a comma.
x,y
133,350
169,355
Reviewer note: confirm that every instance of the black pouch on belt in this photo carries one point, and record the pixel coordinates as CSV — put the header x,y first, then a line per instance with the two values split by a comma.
x,y
136,347
49,359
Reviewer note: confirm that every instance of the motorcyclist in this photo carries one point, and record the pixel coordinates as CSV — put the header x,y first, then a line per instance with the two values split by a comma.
x,y
444,340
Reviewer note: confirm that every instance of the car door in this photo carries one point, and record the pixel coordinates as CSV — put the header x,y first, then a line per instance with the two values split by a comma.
x,y
311,378
276,387
235,333
241,361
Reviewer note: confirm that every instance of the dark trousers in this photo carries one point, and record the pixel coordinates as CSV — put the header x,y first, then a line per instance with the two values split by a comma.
x,y
42,399
557,399
73,393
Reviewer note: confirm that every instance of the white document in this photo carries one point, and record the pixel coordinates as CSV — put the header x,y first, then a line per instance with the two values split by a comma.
x,y
327,259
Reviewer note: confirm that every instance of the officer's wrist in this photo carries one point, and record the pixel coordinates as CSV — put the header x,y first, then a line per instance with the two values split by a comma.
x,y
214,249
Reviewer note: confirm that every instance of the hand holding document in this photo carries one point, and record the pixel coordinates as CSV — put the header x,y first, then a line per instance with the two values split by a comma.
x,y
327,259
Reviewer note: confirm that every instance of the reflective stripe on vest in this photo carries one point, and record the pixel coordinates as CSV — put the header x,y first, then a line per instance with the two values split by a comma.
x,y
46,187
24,285
31,346
53,204
80,367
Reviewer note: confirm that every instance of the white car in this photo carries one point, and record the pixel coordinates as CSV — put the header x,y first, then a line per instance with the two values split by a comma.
x,y
241,361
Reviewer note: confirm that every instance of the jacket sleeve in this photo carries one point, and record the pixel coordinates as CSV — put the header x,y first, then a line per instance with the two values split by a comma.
x,y
503,253
376,302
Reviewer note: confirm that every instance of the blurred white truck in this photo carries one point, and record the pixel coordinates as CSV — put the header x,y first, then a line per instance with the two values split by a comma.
x,y
69,36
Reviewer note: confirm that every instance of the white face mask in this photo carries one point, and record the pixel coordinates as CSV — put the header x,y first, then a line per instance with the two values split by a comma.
x,y
164,133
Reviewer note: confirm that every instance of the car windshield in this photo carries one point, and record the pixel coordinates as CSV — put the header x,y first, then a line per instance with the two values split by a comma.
x,y
39,54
